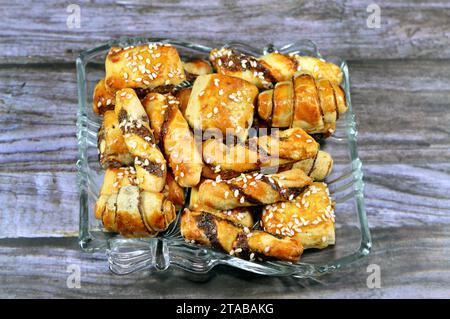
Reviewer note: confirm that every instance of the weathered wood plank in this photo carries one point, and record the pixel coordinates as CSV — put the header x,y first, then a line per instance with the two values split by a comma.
x,y
37,31
38,268
401,106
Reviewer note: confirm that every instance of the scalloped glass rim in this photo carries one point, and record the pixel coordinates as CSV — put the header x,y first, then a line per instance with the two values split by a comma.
x,y
128,255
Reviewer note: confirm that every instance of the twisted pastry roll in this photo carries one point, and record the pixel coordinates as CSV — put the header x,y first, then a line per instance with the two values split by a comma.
x,y
223,103
213,231
240,216
141,213
230,62
111,144
319,68
149,162
179,144
126,209
195,68
278,149
114,179
276,106
104,98
313,105
252,189
283,67
144,66
309,218
317,168
155,105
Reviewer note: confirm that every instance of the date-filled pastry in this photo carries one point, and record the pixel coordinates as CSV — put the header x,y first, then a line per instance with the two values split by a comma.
x,y
318,168
223,103
313,105
252,189
284,66
277,149
141,213
111,144
144,66
149,162
281,66
104,98
178,142
230,62
213,231
242,216
319,68
180,146
309,217
195,68
114,179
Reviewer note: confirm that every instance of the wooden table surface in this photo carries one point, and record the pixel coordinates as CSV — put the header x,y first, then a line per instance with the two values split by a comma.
x,y
400,86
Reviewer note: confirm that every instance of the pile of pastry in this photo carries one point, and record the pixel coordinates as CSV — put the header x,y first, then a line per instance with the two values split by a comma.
x,y
239,131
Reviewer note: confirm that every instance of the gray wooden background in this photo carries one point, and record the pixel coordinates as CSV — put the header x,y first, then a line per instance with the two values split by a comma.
x,y
400,85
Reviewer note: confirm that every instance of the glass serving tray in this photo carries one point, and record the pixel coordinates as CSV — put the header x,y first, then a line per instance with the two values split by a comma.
x,y
169,249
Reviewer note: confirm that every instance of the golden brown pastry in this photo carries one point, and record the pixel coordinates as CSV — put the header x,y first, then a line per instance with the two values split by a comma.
x,y
252,189
195,68
309,217
114,179
283,104
270,151
145,66
307,110
213,231
111,144
155,105
281,66
318,168
240,215
265,106
183,96
180,146
229,62
313,105
319,68
126,209
284,66
173,191
141,213
223,103
104,98
148,160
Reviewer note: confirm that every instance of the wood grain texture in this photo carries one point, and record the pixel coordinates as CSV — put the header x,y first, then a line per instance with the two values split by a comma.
x,y
37,31
38,269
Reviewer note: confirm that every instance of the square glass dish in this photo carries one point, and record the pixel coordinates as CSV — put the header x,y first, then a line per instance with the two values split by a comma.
x,y
169,249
